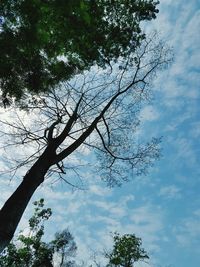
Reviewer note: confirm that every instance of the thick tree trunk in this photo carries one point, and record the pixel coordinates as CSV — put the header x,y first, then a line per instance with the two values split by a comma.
x,y
13,209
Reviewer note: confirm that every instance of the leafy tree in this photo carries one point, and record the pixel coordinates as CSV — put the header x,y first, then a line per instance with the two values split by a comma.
x,y
30,251
126,251
43,43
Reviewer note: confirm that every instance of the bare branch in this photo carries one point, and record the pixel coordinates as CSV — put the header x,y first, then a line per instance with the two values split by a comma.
x,y
93,110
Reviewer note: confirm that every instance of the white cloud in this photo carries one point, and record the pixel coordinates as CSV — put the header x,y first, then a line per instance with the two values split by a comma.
x,y
180,24
188,231
185,150
149,113
195,130
99,190
190,34
170,192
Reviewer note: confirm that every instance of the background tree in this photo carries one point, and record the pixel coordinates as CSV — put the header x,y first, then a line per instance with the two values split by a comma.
x,y
126,251
43,43
65,247
30,251
97,110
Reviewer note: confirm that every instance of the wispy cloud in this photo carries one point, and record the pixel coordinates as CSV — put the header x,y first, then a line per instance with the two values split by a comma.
x,y
170,192
188,232
149,113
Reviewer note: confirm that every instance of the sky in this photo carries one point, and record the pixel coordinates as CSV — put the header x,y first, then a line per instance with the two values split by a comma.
x,y
163,207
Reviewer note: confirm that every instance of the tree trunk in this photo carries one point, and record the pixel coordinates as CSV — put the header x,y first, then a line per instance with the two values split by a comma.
x,y
13,209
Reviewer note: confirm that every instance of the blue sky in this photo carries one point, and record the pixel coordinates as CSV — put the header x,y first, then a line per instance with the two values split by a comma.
x,y
163,208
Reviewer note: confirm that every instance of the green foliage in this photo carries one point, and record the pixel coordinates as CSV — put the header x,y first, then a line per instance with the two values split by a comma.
x,y
43,43
126,251
30,251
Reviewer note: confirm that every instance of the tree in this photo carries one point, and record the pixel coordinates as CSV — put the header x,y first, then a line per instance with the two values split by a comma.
x,y
97,110
126,251
30,251
43,43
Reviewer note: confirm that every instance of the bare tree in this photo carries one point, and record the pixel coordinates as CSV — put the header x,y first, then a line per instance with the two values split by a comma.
x,y
97,110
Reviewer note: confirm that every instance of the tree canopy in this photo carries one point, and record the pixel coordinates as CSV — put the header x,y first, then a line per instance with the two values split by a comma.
x,y
126,251
45,42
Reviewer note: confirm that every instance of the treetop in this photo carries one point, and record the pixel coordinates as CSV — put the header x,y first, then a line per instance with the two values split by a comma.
x,y
43,43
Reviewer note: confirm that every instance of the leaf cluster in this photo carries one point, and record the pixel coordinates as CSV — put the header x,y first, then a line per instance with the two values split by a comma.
x,y
43,43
